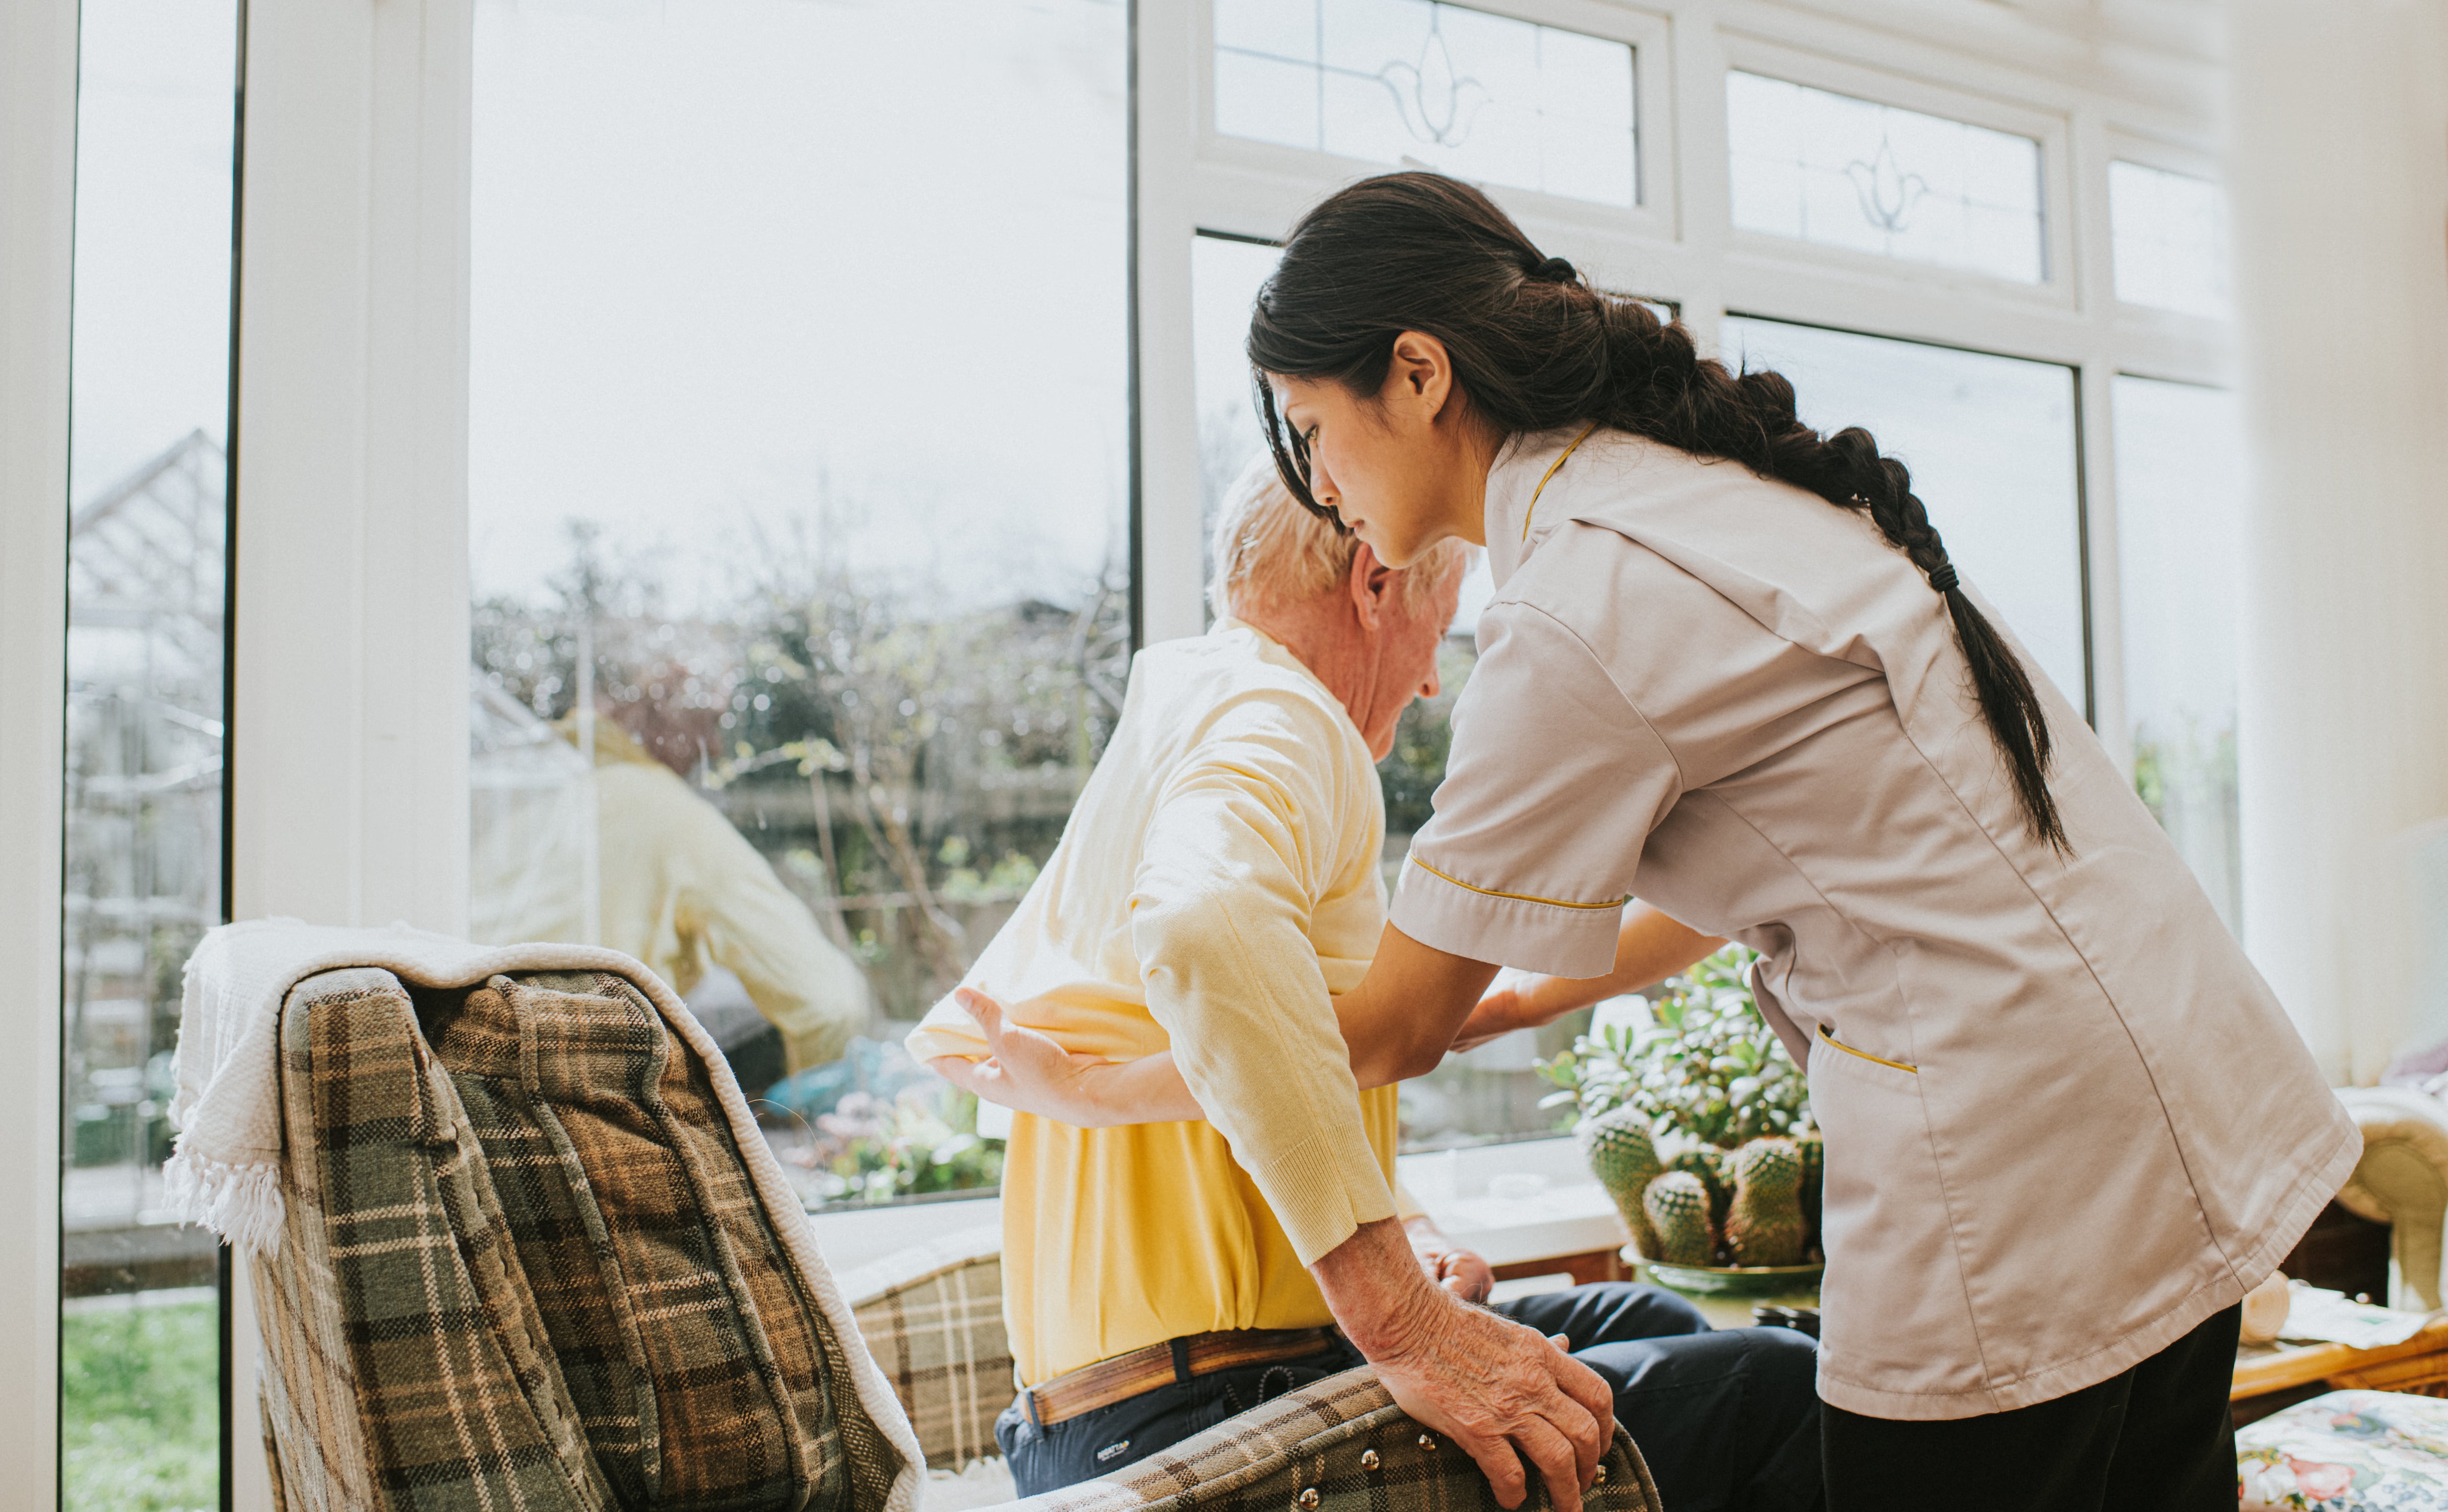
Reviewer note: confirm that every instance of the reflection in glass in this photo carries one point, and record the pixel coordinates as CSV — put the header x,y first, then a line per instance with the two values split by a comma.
x,y
798,506
1827,167
139,1333
2180,497
1483,97
1992,447
2168,235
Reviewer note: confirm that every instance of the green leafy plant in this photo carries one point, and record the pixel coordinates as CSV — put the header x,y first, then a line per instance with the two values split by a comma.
x,y
1706,1066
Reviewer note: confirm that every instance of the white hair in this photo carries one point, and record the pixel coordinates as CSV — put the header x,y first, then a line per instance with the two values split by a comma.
x,y
1269,549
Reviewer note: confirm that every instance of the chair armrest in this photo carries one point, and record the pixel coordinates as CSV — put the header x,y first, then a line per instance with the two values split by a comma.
x,y
2402,1179
1320,1438
932,1316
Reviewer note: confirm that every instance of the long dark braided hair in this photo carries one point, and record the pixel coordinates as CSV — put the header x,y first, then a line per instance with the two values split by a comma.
x,y
1535,347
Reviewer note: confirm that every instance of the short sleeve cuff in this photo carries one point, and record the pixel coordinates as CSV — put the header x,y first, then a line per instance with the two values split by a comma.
x,y
1560,939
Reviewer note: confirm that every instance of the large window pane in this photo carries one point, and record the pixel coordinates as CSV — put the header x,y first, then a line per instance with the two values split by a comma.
x,y
2168,235
1483,97
139,1334
1991,442
1827,167
798,498
2180,494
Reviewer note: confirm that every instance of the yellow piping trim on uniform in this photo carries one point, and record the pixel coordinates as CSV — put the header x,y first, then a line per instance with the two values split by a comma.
x,y
1518,897
1525,535
1865,1055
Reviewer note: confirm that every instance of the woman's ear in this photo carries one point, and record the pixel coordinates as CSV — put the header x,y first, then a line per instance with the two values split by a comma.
x,y
1371,585
1419,377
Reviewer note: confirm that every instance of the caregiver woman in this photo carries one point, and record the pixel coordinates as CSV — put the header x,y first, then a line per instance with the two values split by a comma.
x,y
1730,666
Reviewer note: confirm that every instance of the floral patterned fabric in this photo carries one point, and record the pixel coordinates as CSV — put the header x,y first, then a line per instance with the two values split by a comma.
x,y
2348,1451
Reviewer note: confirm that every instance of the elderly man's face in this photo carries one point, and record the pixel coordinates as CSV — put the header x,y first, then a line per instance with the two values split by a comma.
x,y
1406,660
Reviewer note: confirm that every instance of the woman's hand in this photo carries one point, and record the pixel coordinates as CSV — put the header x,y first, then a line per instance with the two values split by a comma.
x,y
1029,1071
1025,1069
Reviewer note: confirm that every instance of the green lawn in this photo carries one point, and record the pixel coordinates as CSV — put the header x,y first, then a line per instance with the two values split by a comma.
x,y
138,1419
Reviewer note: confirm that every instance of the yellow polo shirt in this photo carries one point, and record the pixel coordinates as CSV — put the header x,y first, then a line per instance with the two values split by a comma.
x,y
1216,886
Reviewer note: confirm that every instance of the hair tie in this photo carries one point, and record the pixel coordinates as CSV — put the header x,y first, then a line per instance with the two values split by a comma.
x,y
1554,270
1943,581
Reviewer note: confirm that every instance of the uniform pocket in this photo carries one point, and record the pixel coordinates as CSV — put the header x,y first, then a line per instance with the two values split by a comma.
x,y
1895,1319
1863,1056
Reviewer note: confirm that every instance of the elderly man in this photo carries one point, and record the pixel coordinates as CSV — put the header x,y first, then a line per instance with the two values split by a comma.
x,y
1218,886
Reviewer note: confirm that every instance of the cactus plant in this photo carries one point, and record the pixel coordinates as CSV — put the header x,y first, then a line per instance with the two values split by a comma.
x,y
1624,1159
1763,1224
1709,1163
1677,1205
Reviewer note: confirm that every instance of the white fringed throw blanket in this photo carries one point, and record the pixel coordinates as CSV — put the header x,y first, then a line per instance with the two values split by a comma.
x,y
225,1173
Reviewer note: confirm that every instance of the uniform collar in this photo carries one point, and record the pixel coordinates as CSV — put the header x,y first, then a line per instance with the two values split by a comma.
x,y
1513,530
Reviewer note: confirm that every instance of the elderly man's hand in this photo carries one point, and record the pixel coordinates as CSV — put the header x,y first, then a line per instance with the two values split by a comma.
x,y
1498,1389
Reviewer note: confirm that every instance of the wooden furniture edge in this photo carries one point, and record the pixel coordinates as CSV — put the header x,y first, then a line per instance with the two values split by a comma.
x,y
2263,1374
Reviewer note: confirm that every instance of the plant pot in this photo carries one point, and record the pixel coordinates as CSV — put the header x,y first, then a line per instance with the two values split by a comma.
x,y
1730,1280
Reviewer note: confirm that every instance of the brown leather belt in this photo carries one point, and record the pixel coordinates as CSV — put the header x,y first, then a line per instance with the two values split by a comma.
x,y
1173,1362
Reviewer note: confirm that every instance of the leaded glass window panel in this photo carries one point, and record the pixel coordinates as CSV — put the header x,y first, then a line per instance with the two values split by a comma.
x,y
1483,97
2167,237
1843,172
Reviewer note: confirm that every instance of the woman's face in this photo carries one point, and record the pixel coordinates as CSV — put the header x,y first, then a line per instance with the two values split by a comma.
x,y
1402,468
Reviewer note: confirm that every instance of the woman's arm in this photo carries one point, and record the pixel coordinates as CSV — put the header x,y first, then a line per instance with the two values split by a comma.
x,y
1397,1024
1649,947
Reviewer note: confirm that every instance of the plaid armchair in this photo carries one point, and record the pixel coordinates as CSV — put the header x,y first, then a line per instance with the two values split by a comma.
x,y
526,1263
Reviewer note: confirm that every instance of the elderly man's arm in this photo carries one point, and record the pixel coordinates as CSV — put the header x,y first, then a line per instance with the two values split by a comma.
x,y
1241,847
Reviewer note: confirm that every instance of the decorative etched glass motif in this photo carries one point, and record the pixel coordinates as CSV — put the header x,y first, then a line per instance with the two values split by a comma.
x,y
1829,169
1482,97
2168,235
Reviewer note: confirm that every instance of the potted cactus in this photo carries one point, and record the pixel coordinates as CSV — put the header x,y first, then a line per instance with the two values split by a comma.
x,y
1699,1125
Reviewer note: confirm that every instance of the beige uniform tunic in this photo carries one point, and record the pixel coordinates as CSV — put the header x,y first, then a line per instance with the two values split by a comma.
x,y
2066,1119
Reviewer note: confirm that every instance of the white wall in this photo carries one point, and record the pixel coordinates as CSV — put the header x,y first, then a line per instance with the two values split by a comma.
x,y
37,182
2338,168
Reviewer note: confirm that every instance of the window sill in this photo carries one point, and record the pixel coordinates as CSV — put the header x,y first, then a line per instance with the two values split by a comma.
x,y
1511,1203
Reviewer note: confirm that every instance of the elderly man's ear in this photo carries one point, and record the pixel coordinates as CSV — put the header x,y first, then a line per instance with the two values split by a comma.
x,y
1372,586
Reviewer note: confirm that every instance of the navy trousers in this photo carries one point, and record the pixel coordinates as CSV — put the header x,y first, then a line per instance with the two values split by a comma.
x,y
1728,1420
2155,1438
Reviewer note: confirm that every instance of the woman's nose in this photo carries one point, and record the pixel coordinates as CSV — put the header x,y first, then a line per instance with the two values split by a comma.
x,y
1321,484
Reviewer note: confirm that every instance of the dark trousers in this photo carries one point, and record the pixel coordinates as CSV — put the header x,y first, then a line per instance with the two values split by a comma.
x,y
1727,1420
2155,1438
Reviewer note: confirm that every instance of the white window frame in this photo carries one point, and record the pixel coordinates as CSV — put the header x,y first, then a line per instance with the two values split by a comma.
x,y
38,79
349,739
2017,71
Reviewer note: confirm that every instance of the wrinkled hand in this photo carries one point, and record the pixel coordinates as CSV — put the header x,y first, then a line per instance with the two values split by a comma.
x,y
1504,1393
1025,1069
1500,1012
